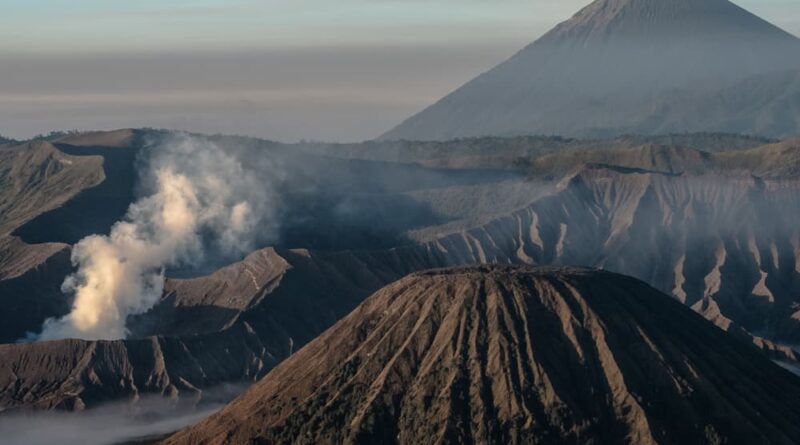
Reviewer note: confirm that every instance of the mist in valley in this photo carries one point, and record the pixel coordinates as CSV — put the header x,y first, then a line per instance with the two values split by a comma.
x,y
122,422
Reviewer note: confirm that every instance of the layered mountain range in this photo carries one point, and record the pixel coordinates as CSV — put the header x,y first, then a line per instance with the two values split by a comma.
x,y
695,224
632,67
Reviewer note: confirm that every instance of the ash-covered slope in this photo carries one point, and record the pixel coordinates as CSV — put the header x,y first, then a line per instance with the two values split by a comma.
x,y
729,247
632,66
516,355
202,344
37,177
52,189
232,326
726,245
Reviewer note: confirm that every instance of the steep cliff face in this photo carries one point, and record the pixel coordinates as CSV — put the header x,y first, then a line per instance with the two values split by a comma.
x,y
516,355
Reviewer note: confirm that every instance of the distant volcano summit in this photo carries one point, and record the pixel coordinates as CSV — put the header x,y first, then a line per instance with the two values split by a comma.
x,y
632,66
606,20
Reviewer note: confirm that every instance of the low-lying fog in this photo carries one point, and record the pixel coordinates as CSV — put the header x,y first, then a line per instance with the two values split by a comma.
x,y
112,423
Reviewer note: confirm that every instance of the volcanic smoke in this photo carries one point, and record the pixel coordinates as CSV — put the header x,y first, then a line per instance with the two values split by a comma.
x,y
198,196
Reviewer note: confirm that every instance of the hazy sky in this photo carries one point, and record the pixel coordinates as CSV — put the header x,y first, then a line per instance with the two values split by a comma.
x,y
286,70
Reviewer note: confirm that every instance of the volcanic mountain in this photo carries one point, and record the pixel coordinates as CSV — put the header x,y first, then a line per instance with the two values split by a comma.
x,y
633,67
694,224
516,355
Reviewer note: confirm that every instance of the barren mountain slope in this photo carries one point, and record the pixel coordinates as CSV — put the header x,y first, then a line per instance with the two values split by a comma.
x,y
231,326
516,355
56,193
50,195
632,67
727,246
36,177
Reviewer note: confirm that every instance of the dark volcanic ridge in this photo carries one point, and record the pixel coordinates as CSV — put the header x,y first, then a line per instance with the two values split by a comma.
x,y
516,355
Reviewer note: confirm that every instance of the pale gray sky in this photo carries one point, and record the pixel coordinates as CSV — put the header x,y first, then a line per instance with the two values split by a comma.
x,y
285,70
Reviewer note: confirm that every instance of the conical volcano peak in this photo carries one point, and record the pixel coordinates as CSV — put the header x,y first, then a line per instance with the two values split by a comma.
x,y
605,20
515,355
631,66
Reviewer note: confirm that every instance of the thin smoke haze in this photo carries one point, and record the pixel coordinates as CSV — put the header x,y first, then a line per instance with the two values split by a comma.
x,y
197,197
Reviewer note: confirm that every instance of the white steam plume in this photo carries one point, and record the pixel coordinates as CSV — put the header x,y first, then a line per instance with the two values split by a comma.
x,y
197,195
